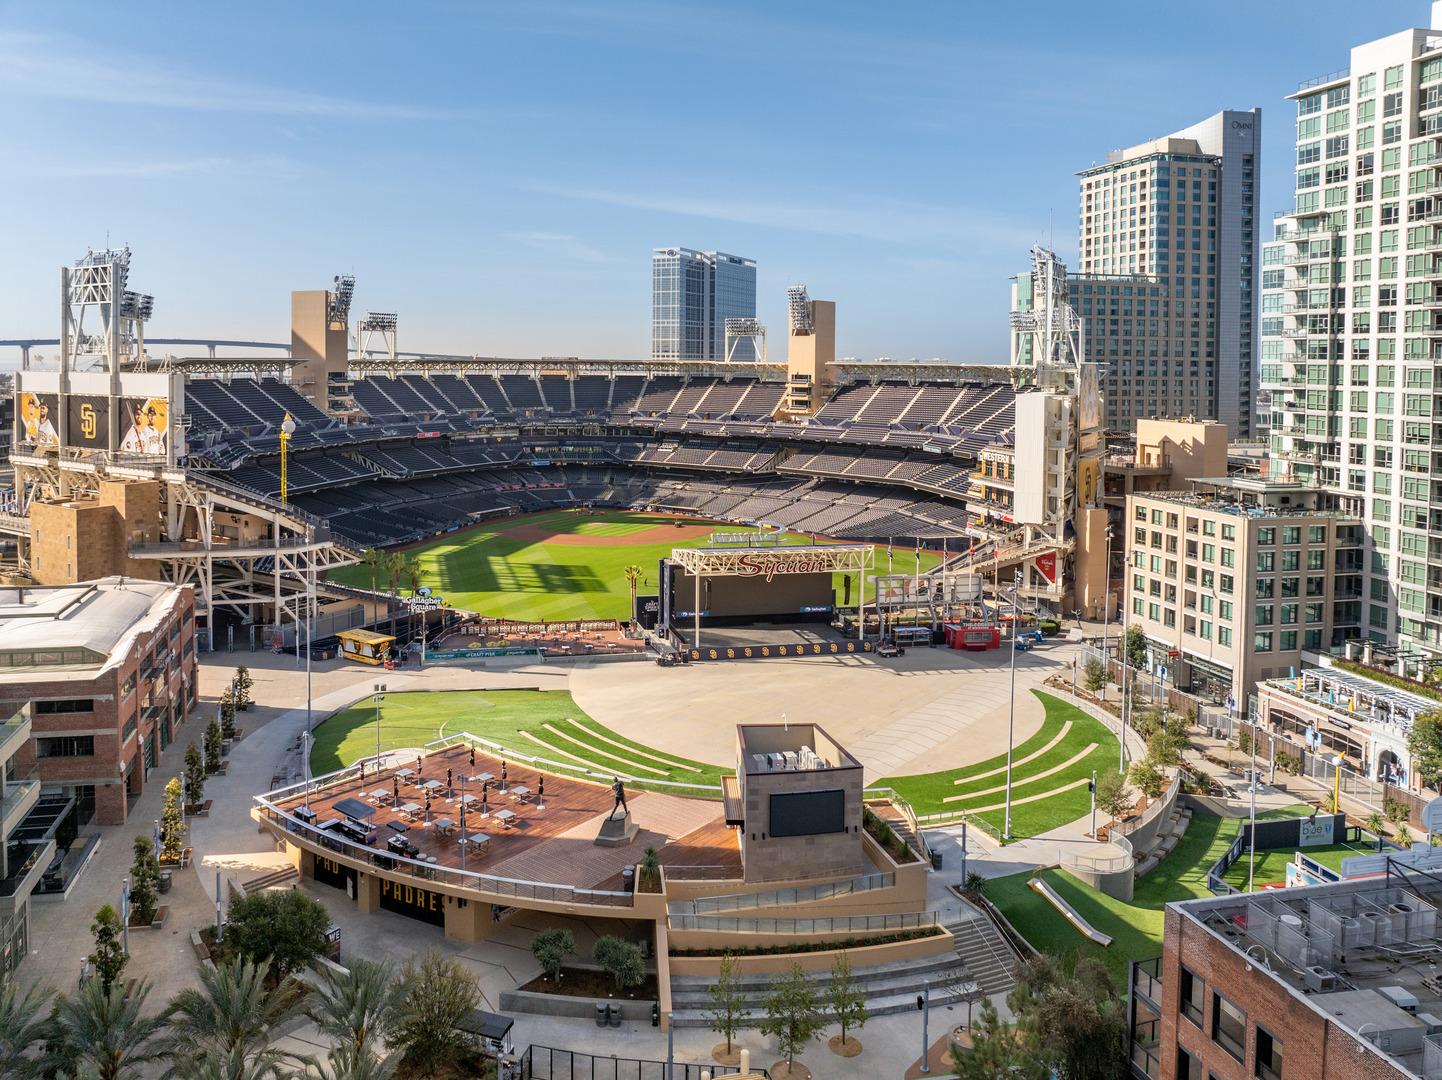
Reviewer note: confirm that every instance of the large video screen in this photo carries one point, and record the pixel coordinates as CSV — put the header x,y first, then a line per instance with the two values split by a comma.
x,y
36,418
89,421
808,813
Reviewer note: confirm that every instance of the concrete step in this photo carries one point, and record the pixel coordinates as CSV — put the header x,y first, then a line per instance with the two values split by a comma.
x,y
930,966
987,956
902,981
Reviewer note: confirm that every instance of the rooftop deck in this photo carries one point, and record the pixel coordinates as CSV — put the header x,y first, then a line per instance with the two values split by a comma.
x,y
511,835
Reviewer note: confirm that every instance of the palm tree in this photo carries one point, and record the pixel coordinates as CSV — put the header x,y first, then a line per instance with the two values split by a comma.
x,y
393,563
343,1065
411,571
22,1025
231,1013
353,1008
102,1034
372,558
234,1064
633,577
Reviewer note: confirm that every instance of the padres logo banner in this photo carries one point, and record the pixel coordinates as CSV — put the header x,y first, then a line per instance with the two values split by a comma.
x,y
88,417
766,652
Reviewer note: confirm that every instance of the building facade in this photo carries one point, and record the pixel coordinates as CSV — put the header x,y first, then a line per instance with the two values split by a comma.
x,y
107,672
1166,280
1352,318
693,293
1232,581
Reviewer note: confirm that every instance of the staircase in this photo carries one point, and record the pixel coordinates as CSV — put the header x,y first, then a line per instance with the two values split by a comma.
x,y
1168,837
989,960
889,988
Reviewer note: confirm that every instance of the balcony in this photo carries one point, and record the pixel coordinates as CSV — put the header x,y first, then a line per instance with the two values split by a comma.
x,y
1147,981
17,799
27,862
13,734
1146,1062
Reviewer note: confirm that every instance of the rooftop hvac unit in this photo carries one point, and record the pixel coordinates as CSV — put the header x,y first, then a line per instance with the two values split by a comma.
x,y
1403,999
1319,980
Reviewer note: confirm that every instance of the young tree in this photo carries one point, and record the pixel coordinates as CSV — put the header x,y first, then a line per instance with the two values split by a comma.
x,y
109,957
227,714
847,999
212,746
633,579
1403,836
432,999
1376,825
552,948
1425,743
1134,647
727,1009
144,882
621,960
194,777
650,871
1071,1017
792,1013
286,928
1149,779
1094,676
1113,797
243,684
172,822
994,1051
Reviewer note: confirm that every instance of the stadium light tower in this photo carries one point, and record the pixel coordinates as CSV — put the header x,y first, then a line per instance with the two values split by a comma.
x,y
287,429
746,329
376,322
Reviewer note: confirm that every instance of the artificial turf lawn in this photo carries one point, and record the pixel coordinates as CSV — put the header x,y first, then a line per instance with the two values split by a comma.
x,y
414,719
488,570
1272,865
1135,928
926,792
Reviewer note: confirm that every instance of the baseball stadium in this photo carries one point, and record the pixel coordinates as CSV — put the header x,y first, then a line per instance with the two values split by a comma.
x,y
647,644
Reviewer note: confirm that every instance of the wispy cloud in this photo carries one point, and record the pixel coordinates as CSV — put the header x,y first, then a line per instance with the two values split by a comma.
x,y
885,220
562,244
47,66
273,168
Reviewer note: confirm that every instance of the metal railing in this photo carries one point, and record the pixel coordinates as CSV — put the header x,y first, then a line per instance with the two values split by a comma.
x,y
550,1063
509,888
781,897
840,924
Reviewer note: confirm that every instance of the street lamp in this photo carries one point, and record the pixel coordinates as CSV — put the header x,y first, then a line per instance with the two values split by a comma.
x,y
1336,762
1107,609
287,429
380,689
1011,708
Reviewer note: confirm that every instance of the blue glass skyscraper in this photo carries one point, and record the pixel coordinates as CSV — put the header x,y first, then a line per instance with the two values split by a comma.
x,y
693,293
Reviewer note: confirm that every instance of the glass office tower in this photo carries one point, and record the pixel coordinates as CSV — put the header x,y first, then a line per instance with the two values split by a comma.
x,y
693,293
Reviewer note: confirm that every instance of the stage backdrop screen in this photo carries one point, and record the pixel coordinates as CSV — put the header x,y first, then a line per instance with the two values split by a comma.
x,y
808,813
89,421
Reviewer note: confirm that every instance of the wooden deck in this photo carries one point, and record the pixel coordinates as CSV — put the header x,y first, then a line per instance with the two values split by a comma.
x,y
554,844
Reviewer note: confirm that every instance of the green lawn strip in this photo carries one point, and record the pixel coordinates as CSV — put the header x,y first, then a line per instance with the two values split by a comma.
x,y
1272,864
658,757
709,775
599,759
490,570
1135,928
926,791
414,719
1058,808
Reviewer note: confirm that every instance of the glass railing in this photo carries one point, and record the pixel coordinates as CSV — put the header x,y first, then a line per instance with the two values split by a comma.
x,y
13,734
24,857
1148,983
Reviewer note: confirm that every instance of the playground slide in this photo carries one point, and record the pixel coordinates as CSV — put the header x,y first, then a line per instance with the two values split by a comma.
x,y
1068,912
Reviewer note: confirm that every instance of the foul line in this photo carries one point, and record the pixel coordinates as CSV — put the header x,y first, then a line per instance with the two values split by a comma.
x,y
1027,779
632,750
1030,757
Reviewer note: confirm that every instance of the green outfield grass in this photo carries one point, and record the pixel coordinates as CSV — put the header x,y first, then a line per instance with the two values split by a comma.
x,y
1064,759
539,723
1135,928
490,570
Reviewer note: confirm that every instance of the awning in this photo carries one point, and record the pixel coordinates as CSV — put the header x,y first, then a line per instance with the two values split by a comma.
x,y
486,1025
355,809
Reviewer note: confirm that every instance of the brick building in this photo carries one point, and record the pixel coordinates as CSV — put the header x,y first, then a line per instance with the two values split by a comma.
x,y
1333,981
108,670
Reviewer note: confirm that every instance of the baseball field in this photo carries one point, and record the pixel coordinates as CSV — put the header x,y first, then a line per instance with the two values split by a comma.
x,y
570,564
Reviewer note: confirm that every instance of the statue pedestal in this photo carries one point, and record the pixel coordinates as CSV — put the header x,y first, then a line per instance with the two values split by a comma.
x,y
617,831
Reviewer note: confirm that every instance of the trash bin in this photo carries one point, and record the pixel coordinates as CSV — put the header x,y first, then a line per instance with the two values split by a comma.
x,y
935,859
602,1013
614,1012
165,881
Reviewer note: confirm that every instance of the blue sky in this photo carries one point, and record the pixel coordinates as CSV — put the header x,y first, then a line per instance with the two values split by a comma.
x,y
498,173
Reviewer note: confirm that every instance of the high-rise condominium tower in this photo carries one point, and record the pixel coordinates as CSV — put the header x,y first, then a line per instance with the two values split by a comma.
x,y
1167,273
693,293
1352,321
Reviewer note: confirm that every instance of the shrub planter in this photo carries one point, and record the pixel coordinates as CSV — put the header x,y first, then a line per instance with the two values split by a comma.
x,y
203,810
162,912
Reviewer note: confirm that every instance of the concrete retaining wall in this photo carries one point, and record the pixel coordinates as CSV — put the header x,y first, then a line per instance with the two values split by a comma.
x,y
582,1007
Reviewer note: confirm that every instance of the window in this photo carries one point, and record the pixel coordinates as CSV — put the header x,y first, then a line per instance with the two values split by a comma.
x,y
1229,1023
1262,641
1191,997
1189,1066
65,705
1269,1055
1266,561
65,746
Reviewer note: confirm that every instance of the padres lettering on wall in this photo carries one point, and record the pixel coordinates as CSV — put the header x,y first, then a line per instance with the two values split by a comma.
x,y
337,874
406,899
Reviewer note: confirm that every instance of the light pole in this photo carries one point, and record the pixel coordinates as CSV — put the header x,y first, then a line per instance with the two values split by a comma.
x,y
287,429
1106,611
924,1004
1011,707
1252,856
380,689
1336,762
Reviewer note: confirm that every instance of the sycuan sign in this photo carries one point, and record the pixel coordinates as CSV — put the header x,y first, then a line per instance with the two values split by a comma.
x,y
768,564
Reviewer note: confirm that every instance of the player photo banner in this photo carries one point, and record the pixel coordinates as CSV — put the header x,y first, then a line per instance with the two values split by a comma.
x,y
144,426
88,424
37,418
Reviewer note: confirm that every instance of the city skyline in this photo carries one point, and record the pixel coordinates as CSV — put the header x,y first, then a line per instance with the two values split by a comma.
x,y
290,172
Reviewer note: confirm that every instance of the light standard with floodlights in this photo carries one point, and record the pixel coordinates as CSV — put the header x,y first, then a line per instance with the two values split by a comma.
x,y
1011,709
380,689
287,429
1107,610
